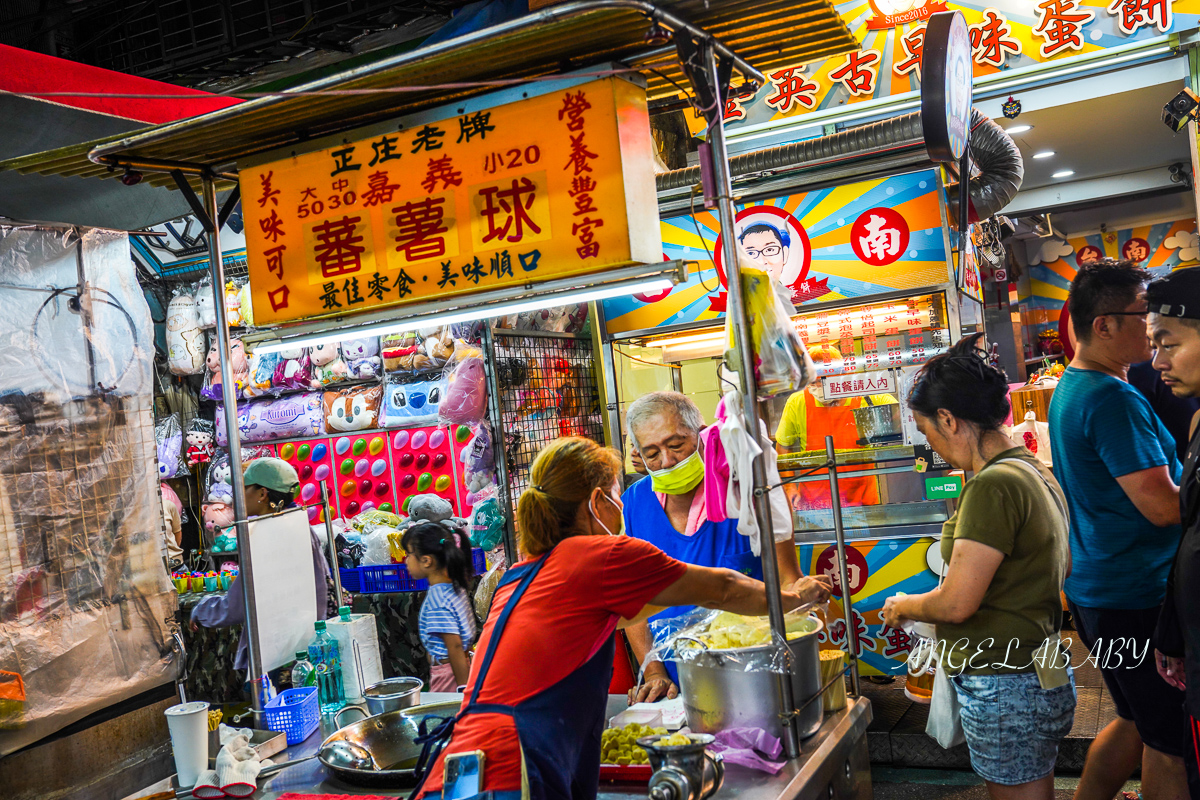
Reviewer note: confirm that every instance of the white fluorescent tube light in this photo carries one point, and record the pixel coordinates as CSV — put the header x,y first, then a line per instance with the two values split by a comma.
x,y
666,341
466,315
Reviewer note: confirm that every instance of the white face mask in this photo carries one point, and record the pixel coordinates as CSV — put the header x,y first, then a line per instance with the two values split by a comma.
x,y
596,517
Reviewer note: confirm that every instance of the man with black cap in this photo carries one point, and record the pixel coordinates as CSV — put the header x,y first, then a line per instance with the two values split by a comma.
x,y
1173,326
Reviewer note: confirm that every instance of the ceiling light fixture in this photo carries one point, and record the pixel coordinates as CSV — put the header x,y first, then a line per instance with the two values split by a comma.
x,y
1066,173
1018,129
1044,154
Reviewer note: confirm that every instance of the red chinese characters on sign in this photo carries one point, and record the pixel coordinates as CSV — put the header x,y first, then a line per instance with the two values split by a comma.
x,y
441,170
583,185
338,250
992,41
268,194
1060,24
896,641
838,634
379,190
791,87
856,569
421,229
857,72
506,211
879,236
1135,250
734,109
1135,14
913,43
1086,254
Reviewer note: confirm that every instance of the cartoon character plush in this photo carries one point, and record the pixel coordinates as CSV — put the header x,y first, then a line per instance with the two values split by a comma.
x,y
439,344
262,373
246,305
220,490
412,403
328,366
170,441
206,306
185,340
362,357
465,397
200,437
233,305
239,362
430,508
294,370
352,409
404,352
218,517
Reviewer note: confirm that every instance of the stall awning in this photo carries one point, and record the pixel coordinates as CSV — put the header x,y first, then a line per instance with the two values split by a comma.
x,y
766,34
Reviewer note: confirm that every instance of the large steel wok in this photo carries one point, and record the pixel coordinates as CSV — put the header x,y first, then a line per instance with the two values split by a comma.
x,y
389,739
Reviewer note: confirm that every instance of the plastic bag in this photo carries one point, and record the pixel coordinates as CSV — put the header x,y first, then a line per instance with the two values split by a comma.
x,y
352,409
378,550
404,352
487,521
294,370
185,340
486,587
781,361
201,440
241,369
206,304
168,437
261,379
233,305
410,403
362,357
465,398
328,366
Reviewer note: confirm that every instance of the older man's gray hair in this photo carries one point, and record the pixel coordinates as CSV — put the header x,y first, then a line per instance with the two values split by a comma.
x,y
651,405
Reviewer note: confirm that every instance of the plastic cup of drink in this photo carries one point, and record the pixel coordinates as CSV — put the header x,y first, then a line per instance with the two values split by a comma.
x,y
188,724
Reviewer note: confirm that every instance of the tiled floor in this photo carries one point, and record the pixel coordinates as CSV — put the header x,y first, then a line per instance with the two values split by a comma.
x,y
897,734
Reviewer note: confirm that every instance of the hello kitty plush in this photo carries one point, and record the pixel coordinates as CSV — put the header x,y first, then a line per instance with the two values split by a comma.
x,y
294,370
328,366
362,357
185,340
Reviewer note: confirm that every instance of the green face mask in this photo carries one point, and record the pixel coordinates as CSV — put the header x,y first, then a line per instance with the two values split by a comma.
x,y
680,478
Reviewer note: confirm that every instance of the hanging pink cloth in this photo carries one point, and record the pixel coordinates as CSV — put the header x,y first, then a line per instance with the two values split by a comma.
x,y
716,468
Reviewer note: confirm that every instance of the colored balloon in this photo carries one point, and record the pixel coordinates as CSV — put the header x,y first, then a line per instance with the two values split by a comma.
x,y
352,507
322,472
462,433
423,461
308,492
364,485
404,504
436,438
313,513
442,483
367,506
406,460
439,461
341,446
303,452
287,451
319,452
361,467
424,482
360,447
400,439
407,481
385,506
378,467
348,488
419,438
376,446
381,489
306,472
347,466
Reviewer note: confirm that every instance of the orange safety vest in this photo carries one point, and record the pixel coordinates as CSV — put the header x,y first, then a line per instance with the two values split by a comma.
x,y
838,422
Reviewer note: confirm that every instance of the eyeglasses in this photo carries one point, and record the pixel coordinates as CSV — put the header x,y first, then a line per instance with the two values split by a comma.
x,y
770,251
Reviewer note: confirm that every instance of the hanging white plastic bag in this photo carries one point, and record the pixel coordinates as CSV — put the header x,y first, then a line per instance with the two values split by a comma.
x,y
1035,435
780,359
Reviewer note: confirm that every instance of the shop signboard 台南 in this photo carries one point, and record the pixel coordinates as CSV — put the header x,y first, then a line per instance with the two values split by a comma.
x,y
554,185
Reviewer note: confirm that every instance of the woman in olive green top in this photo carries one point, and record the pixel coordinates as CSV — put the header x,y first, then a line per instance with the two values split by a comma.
x,y
999,604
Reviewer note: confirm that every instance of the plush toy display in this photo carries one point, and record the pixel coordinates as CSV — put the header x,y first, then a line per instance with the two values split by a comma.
x,y
413,403
404,352
262,374
185,340
220,490
362,357
200,438
465,398
217,517
239,362
352,409
439,344
487,522
328,366
294,370
233,305
206,305
288,417
429,508
168,437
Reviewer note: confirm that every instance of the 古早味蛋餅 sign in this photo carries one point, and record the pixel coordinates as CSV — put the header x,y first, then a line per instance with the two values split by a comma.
x,y
554,185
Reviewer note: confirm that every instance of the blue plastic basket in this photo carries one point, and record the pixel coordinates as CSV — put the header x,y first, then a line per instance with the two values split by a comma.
x,y
296,712
394,577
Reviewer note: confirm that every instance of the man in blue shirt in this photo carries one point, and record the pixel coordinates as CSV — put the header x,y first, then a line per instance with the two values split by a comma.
x,y
1116,463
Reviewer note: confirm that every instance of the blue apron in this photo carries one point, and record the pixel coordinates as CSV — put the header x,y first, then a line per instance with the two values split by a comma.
x,y
715,544
558,728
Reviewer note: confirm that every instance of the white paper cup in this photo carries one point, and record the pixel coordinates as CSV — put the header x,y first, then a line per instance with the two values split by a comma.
x,y
188,723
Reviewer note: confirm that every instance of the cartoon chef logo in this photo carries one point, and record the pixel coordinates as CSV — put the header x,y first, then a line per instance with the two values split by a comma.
x,y
775,242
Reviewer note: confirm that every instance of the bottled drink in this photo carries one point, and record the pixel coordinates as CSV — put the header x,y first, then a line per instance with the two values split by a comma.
x,y
344,613
329,669
303,673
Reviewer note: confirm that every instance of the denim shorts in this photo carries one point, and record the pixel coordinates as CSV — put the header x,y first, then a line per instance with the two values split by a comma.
x,y
1013,725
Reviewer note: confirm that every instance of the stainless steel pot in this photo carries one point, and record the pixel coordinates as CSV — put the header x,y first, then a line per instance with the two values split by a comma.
x,y
389,739
393,694
875,423
719,693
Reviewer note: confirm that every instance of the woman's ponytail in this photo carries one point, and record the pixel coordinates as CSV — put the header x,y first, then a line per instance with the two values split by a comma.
x,y
561,478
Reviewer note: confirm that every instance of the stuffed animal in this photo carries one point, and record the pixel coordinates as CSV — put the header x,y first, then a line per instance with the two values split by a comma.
x,y
413,403
288,417
439,345
429,508
239,362
217,517
246,305
328,366
185,340
200,437
362,357
169,440
206,306
233,305
262,373
465,398
220,490
404,352
294,370
352,409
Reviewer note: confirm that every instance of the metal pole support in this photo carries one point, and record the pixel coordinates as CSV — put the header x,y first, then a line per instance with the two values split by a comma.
x,y
737,310
327,514
843,576
229,397
496,412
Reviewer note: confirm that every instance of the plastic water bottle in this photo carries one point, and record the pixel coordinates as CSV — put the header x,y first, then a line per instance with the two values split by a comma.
x,y
328,662
303,673
344,613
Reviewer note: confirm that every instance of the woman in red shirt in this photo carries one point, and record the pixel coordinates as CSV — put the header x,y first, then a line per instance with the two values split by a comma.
x,y
535,701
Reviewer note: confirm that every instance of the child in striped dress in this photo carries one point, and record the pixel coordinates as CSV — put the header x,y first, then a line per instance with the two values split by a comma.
x,y
447,623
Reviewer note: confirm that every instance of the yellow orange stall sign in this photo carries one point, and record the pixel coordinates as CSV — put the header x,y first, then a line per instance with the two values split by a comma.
x,y
552,186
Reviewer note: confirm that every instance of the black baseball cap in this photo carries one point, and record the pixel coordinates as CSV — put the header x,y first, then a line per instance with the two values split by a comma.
x,y
1177,295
